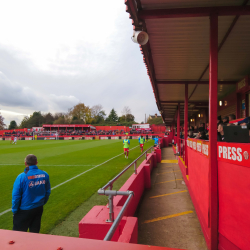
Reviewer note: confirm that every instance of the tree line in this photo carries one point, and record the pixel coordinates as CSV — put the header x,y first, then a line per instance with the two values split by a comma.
x,y
79,114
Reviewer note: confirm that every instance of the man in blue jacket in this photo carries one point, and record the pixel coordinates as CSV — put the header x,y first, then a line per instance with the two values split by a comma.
x,y
30,192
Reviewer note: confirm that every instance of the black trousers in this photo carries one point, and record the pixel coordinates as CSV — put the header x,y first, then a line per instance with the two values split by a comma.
x,y
28,219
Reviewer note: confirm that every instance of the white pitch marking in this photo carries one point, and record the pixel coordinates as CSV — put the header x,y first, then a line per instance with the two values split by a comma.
x,y
8,210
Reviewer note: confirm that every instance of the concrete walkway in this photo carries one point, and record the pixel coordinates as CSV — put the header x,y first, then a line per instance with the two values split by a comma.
x,y
166,215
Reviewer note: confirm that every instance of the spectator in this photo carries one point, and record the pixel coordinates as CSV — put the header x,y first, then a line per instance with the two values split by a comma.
x,y
207,128
220,136
195,129
244,121
232,117
191,128
219,121
30,192
202,135
225,119
190,134
201,127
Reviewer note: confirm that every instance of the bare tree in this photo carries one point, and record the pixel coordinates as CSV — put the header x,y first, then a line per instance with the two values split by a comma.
x,y
96,109
126,111
2,125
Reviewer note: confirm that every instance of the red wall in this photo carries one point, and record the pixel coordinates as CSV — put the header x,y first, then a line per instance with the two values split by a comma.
x,y
233,192
234,205
158,128
94,225
198,166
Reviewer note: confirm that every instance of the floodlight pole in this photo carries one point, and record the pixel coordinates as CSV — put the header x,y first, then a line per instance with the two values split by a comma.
x,y
213,164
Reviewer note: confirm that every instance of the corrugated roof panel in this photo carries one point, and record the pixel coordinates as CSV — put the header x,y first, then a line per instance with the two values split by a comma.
x,y
234,63
180,47
174,92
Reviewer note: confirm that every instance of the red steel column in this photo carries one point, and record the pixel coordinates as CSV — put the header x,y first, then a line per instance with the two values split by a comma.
x,y
186,123
178,128
213,165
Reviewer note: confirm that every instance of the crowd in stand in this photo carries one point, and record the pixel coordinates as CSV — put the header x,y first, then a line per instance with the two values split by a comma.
x,y
72,132
133,131
16,133
202,132
79,132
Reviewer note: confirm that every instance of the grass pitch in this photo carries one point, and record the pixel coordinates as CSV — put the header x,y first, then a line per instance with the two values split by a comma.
x,y
63,160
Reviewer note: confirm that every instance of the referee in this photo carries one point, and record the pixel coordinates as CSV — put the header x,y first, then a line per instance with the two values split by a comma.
x,y
30,192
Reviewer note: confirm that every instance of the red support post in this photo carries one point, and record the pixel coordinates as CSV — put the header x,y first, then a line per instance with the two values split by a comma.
x,y
213,164
186,123
178,128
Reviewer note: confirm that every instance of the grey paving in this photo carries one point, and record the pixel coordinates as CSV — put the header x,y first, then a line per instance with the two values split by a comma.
x,y
182,231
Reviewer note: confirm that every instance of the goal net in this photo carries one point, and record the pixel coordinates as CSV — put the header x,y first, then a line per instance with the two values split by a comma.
x,y
45,135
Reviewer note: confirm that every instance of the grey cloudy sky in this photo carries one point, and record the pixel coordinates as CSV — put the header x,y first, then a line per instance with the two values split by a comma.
x,y
56,53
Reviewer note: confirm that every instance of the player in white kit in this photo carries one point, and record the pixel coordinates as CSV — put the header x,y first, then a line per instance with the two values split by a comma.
x,y
15,140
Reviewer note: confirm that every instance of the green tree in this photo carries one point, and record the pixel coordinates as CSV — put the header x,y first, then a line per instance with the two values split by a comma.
x,y
35,120
48,118
156,121
75,120
24,122
127,118
13,125
113,117
82,112
60,120
2,124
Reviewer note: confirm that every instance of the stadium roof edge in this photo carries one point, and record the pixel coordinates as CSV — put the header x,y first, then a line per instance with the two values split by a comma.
x,y
178,49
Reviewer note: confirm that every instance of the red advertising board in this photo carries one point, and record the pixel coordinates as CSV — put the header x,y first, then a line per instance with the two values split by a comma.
x,y
199,146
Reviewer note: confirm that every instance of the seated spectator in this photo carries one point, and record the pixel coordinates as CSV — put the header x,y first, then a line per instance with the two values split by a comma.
x,y
202,135
220,135
232,117
207,128
219,121
201,127
225,119
191,134
191,128
244,121
195,129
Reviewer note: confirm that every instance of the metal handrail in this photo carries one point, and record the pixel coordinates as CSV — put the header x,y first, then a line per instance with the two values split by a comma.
x,y
110,183
114,226
111,193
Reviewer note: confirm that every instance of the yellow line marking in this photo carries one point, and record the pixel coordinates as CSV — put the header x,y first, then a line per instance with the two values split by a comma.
x,y
167,217
167,167
169,172
168,181
169,194
183,162
169,161
187,177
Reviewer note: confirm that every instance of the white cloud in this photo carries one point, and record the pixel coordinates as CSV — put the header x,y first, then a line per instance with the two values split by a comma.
x,y
14,94
54,54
